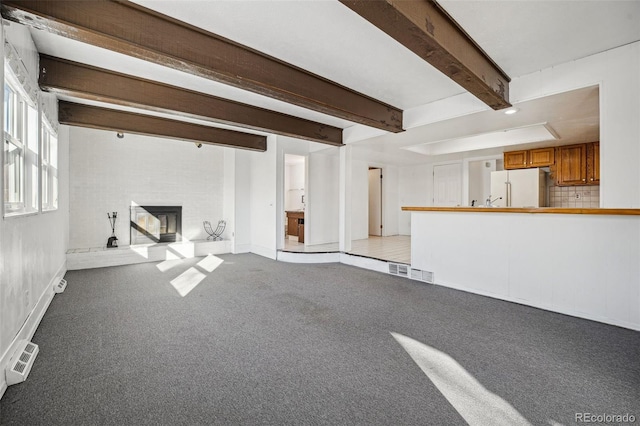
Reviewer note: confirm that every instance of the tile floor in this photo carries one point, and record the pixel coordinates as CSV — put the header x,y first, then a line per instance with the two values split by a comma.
x,y
395,248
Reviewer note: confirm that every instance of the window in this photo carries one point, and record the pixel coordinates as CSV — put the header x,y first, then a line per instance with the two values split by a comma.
x,y
49,167
20,150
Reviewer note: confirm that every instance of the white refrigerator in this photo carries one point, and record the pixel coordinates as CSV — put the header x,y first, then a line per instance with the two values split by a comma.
x,y
519,188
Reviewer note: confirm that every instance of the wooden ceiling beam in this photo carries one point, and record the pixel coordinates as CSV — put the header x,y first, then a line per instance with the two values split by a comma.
x,y
426,29
73,114
133,30
83,81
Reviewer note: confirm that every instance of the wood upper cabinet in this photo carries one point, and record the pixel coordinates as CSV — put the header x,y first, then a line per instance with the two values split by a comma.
x,y
515,160
541,157
593,163
571,165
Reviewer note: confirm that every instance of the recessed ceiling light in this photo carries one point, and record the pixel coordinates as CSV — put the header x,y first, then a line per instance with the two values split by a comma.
x,y
511,111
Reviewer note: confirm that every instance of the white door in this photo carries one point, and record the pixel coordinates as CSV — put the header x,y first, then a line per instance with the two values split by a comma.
x,y
375,202
447,185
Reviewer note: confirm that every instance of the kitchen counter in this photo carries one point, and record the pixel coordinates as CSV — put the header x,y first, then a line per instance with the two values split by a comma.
x,y
540,210
580,262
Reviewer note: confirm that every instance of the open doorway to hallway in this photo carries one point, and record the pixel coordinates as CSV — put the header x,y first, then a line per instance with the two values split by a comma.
x,y
294,200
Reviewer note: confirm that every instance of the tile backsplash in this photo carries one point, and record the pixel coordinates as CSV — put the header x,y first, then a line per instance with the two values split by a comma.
x,y
574,196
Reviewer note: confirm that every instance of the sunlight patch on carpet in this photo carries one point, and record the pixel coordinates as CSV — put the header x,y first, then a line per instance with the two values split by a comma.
x,y
187,281
465,393
210,263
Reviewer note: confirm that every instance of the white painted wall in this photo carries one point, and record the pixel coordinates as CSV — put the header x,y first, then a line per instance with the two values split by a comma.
x,y
581,265
415,188
322,215
108,174
32,248
359,199
242,198
618,73
262,168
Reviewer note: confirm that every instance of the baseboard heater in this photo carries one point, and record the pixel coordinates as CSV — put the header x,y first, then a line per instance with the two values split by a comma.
x,y
403,270
21,362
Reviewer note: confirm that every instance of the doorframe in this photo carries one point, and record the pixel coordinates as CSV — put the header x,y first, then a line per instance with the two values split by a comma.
x,y
382,198
281,216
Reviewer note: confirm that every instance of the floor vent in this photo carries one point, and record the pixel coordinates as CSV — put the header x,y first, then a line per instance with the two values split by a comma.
x,y
398,269
426,276
60,286
21,362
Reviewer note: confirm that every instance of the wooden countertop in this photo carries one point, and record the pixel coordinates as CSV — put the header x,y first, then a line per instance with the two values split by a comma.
x,y
543,210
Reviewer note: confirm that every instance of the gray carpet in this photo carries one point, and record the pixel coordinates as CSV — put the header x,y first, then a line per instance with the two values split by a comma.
x,y
265,342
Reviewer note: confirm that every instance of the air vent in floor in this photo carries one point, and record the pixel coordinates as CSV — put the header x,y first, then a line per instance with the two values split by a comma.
x,y
21,362
398,269
425,276
60,286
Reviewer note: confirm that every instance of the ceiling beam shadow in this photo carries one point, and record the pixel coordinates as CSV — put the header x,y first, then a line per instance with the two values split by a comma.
x,y
133,30
73,114
426,29
83,81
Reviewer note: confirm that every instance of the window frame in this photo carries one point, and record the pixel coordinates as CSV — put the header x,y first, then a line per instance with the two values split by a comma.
x,y
19,133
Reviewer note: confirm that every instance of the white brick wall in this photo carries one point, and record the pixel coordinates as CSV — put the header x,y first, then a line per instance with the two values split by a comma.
x,y
107,174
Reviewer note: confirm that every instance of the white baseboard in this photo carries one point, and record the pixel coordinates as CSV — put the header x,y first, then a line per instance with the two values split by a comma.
x,y
365,262
129,255
31,324
291,257
264,251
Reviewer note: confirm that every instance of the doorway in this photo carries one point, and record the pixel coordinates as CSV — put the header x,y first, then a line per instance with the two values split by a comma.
x,y
294,199
375,201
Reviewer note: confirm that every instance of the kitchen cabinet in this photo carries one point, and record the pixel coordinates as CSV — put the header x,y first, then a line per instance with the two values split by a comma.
x,y
541,157
578,164
571,165
295,224
515,160
593,163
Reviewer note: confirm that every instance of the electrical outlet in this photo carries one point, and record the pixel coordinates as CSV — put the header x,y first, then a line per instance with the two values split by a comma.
x,y
578,196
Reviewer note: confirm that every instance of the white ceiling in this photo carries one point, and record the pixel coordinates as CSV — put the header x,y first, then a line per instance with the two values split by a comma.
x,y
330,40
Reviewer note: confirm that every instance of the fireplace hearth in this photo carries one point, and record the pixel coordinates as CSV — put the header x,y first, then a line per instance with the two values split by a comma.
x,y
156,224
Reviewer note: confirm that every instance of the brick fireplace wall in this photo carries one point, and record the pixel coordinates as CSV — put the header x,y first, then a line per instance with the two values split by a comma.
x,y
108,174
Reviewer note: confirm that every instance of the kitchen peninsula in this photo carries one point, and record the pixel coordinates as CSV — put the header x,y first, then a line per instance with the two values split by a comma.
x,y
580,262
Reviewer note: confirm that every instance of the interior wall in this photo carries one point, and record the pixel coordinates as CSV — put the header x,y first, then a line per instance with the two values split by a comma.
x,y
32,247
359,200
322,215
592,274
263,178
414,189
242,199
617,71
109,174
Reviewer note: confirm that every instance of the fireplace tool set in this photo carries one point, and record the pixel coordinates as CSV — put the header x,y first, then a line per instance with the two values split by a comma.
x,y
113,240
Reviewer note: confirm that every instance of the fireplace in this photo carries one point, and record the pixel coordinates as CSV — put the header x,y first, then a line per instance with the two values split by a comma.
x,y
156,224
